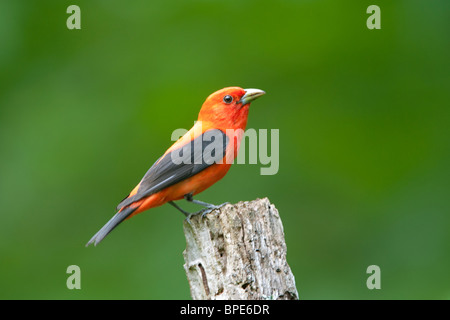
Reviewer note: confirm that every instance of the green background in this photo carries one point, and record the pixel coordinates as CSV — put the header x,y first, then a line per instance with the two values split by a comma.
x,y
364,124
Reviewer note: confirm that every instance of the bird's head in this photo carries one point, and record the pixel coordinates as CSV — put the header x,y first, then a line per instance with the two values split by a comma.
x,y
229,107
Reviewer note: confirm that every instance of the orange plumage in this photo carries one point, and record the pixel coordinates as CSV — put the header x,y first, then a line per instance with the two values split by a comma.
x,y
224,113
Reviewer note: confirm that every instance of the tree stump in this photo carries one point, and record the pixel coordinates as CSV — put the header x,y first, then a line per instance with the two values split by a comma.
x,y
238,252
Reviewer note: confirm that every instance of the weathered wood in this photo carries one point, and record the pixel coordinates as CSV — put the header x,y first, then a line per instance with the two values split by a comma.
x,y
238,252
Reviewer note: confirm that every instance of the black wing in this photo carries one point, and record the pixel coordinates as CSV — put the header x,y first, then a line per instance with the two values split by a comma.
x,y
180,164
110,225
174,167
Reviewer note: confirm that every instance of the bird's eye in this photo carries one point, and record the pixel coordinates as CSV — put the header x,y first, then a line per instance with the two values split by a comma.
x,y
228,99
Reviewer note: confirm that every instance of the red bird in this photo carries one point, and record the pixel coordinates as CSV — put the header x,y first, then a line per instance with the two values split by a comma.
x,y
193,163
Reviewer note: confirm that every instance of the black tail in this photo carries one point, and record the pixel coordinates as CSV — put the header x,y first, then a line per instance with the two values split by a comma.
x,y
110,225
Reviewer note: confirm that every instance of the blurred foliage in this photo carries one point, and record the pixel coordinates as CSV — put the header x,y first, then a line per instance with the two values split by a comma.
x,y
364,139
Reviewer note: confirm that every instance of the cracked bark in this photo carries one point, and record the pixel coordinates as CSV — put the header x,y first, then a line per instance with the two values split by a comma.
x,y
238,252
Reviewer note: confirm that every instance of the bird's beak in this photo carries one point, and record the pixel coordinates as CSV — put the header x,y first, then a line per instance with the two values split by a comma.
x,y
250,95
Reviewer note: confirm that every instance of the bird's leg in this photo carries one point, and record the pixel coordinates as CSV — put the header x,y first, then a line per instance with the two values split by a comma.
x,y
187,214
208,206
181,210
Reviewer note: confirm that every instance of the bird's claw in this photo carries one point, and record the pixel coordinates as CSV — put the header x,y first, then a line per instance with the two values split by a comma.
x,y
211,208
188,217
205,211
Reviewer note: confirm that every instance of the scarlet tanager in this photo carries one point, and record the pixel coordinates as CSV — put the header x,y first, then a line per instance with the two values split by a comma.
x,y
223,114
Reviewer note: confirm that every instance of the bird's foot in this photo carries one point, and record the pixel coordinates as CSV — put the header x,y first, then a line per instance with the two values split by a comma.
x,y
188,218
205,211
211,208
